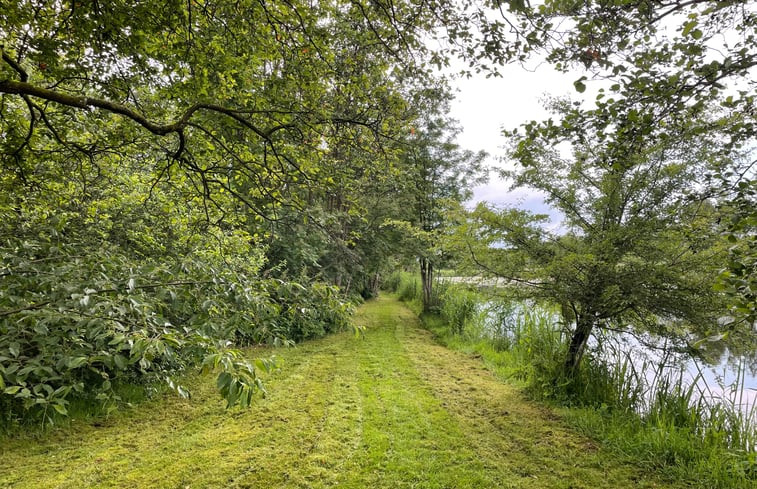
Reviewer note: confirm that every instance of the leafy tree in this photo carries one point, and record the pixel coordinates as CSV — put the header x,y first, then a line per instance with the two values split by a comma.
x,y
674,105
640,248
236,96
102,286
662,69
738,280
438,176
152,155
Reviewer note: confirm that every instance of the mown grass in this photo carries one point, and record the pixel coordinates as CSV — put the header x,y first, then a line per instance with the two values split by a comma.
x,y
390,409
661,426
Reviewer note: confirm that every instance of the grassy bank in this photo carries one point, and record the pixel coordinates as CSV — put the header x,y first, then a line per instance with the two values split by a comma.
x,y
662,427
390,409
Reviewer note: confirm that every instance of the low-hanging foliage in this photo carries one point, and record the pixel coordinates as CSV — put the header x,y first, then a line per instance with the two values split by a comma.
x,y
130,282
76,321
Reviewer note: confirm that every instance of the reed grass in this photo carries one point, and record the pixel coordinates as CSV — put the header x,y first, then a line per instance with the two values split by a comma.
x,y
647,411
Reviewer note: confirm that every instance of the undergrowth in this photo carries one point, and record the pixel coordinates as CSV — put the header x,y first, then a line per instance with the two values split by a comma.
x,y
386,410
656,418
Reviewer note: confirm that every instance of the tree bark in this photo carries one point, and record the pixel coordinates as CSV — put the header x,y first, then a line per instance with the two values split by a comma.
x,y
584,327
427,282
178,126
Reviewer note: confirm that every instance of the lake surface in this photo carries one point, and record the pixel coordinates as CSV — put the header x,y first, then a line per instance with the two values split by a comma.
x,y
722,377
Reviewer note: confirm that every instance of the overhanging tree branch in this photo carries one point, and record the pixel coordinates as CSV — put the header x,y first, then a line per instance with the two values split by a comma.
x,y
17,67
498,274
84,102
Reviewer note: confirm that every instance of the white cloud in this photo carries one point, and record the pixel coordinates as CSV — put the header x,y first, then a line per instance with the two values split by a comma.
x,y
487,106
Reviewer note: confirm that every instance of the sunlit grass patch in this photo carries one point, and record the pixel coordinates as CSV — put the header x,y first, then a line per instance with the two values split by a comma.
x,y
388,409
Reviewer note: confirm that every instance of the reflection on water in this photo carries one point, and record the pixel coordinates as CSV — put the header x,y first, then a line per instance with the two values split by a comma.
x,y
719,376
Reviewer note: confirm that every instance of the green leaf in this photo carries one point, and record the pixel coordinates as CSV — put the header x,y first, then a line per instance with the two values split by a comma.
x,y
688,27
76,362
119,338
61,409
580,86
120,361
223,380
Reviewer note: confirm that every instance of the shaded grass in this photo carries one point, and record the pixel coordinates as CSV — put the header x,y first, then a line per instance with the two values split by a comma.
x,y
709,446
390,409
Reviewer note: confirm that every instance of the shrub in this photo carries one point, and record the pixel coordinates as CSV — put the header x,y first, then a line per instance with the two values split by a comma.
x,y
458,308
75,322
409,288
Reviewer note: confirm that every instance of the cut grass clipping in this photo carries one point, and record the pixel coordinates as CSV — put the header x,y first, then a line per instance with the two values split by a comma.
x,y
389,409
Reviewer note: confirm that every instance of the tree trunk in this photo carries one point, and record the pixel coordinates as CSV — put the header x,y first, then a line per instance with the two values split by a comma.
x,y
375,283
584,326
427,282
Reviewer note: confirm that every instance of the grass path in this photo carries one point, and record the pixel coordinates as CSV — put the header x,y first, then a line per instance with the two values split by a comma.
x,y
392,409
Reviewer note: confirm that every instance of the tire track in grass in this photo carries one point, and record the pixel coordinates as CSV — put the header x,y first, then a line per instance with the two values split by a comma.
x,y
315,461
409,440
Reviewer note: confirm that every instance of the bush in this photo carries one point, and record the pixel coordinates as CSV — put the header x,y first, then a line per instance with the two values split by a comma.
x,y
392,282
458,308
302,312
406,285
75,322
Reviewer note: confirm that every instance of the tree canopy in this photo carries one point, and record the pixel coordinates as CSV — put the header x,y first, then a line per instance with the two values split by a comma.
x,y
182,178
655,159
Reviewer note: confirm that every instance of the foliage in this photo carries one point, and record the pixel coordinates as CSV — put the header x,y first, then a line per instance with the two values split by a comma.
x,y
739,278
180,179
392,282
104,288
405,285
654,417
70,330
663,73
458,308
640,249
437,175
307,312
661,68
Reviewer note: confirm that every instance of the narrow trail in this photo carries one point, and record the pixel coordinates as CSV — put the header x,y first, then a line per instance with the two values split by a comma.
x,y
390,409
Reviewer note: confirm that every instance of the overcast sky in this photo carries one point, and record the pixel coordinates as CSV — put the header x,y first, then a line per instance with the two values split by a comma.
x,y
486,106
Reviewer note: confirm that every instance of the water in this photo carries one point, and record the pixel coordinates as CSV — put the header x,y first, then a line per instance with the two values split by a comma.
x,y
723,376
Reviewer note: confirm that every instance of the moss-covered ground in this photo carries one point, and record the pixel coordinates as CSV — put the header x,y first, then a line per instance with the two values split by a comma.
x,y
390,409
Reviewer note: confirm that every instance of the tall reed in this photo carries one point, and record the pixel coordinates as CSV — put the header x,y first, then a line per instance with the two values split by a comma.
x,y
646,408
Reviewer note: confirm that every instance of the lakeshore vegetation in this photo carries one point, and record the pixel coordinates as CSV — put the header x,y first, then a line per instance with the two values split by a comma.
x,y
190,187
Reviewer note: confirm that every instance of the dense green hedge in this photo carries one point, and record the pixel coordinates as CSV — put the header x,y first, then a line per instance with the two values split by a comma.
x,y
75,321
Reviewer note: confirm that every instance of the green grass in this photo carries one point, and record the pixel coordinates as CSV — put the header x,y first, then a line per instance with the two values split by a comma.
x,y
390,409
705,444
